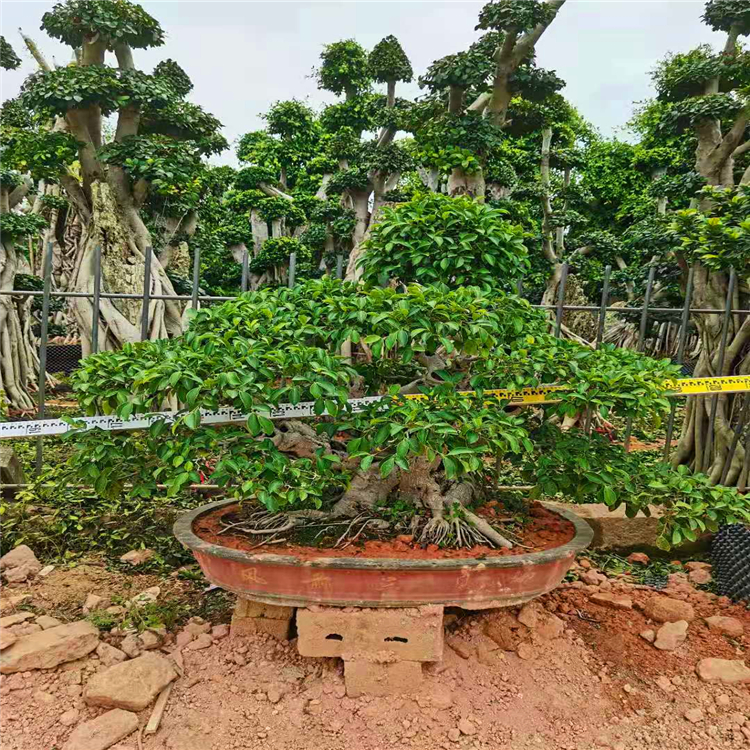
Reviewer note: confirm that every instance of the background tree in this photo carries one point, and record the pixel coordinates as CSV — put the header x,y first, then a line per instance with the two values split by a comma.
x,y
151,168
701,92
32,154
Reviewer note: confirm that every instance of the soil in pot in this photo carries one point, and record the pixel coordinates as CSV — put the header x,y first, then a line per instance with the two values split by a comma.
x,y
540,529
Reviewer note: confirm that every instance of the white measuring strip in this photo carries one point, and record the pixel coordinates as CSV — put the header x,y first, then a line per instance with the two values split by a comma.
x,y
222,416
543,394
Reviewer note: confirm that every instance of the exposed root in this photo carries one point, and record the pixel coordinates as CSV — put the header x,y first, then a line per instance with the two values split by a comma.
x,y
461,494
489,532
435,531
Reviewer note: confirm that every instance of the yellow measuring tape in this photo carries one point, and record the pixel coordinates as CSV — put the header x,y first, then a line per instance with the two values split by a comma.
x,y
545,394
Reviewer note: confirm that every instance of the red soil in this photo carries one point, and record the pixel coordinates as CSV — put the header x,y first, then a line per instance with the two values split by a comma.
x,y
545,530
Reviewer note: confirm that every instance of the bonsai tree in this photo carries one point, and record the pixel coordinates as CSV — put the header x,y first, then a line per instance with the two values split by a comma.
x,y
400,465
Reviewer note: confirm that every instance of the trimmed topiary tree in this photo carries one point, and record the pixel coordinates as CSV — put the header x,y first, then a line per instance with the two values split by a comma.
x,y
140,189
412,465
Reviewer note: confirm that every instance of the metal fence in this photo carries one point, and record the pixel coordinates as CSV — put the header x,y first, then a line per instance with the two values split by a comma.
x,y
558,310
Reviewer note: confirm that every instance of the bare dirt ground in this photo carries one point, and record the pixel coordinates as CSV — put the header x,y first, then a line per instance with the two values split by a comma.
x,y
596,684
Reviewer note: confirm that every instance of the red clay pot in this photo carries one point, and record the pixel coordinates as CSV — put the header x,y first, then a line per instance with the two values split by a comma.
x,y
470,583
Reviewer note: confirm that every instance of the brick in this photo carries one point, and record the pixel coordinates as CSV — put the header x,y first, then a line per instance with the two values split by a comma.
x,y
386,635
371,678
279,629
250,608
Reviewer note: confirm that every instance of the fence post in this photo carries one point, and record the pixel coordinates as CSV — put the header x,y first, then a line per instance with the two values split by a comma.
x,y
245,268
339,266
561,300
292,269
43,335
722,356
196,276
684,322
97,299
641,340
146,294
600,331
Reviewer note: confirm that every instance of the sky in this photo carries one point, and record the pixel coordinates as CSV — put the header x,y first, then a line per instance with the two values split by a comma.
x,y
243,56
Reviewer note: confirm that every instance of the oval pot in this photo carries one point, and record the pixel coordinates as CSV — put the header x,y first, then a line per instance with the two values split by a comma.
x,y
469,583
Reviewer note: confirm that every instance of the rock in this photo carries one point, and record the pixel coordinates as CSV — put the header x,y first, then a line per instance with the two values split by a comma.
x,y
150,639
461,647
12,602
440,697
184,638
613,601
11,471
665,684
502,634
693,715
531,614
25,628
102,732
454,735
671,635
7,639
614,530
204,640
45,571
197,628
639,557
137,556
219,631
592,578
664,609
726,625
723,700
109,655
70,717
46,622
21,555
275,693
15,619
526,651
115,610
648,635
149,596
699,577
466,728
695,565
131,685
132,645
549,628
49,648
725,671
94,602
544,624
19,574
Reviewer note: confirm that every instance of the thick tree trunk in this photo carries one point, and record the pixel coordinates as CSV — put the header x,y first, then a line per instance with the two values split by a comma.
x,y
710,430
19,362
698,432
123,272
461,183
364,221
